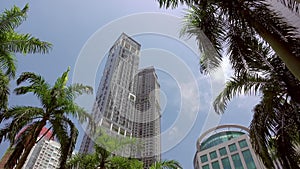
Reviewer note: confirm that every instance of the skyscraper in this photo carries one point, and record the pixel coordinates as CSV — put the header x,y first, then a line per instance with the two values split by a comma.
x,y
119,107
114,106
147,116
226,147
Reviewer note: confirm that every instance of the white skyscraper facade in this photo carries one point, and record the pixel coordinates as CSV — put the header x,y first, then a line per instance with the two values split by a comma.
x,y
117,106
147,116
44,155
114,106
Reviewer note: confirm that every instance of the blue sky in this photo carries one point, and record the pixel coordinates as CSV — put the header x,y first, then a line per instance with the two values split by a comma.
x,y
72,26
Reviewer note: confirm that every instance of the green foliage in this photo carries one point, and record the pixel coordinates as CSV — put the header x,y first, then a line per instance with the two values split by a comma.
x,y
102,159
264,53
113,143
83,161
12,42
57,105
166,164
118,162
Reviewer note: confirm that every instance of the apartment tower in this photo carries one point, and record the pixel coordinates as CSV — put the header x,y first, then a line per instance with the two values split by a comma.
x,y
114,105
117,108
147,116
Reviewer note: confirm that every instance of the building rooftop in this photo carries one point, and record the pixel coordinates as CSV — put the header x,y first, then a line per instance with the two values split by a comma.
x,y
219,138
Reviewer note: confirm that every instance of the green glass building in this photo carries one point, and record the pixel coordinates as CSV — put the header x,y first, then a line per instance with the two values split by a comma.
x,y
226,147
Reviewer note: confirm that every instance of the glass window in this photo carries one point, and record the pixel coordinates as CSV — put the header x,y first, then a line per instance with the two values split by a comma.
x,y
248,159
215,165
226,163
204,158
243,143
237,161
205,166
213,155
232,147
222,151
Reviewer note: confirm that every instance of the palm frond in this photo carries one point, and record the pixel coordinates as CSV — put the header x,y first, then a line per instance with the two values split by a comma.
x,y
8,63
287,132
247,84
280,28
23,43
201,23
77,89
38,86
31,78
61,82
61,126
260,134
175,3
23,118
21,112
171,164
166,164
78,112
12,18
4,91
293,5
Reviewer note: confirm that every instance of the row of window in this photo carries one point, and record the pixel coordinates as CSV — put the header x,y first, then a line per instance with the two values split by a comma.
x,y
222,151
237,162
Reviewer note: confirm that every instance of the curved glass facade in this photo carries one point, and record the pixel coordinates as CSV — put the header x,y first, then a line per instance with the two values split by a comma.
x,y
219,138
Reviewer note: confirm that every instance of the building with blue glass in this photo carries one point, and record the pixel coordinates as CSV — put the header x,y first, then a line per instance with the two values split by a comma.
x,y
226,147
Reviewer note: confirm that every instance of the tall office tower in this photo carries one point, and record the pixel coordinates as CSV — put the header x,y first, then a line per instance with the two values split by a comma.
x,y
114,105
147,116
226,147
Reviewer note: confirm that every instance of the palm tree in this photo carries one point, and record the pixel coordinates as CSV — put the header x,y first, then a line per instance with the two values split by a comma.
x,y
217,22
12,42
102,159
278,113
57,104
246,28
167,164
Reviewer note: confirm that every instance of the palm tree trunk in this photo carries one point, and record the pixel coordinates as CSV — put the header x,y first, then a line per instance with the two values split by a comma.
x,y
291,61
31,144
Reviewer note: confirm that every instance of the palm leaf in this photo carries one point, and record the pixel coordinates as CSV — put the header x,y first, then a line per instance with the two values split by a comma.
x,y
260,134
61,125
61,82
201,23
23,43
38,86
22,117
4,91
80,114
10,19
242,85
293,5
175,3
167,164
8,63
31,78
77,89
